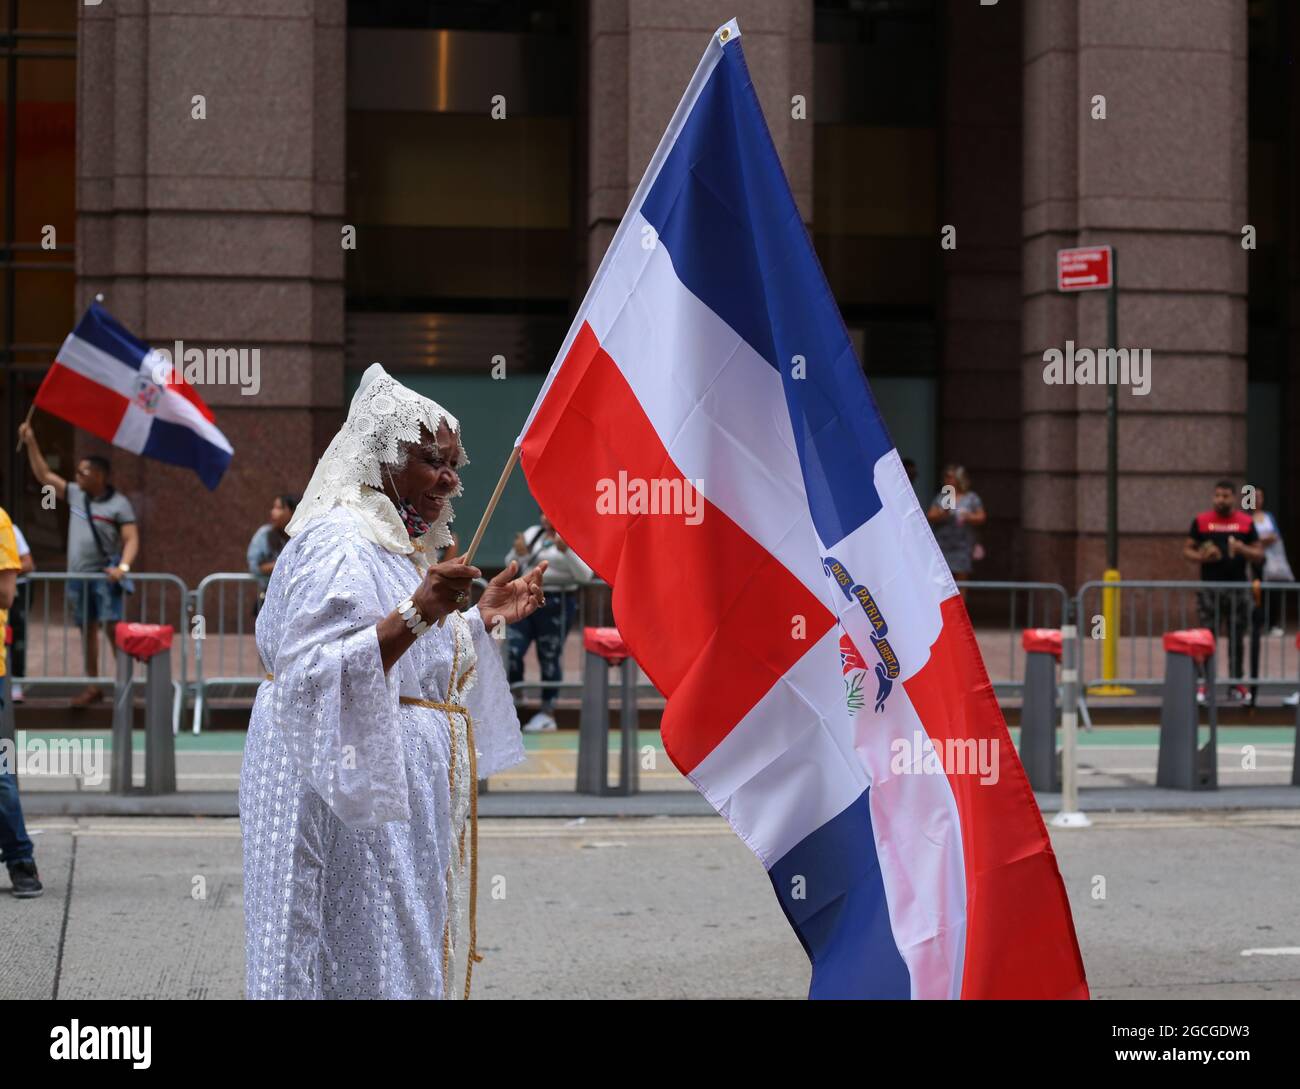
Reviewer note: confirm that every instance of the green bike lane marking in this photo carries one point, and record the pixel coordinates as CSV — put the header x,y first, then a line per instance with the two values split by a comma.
x,y
226,741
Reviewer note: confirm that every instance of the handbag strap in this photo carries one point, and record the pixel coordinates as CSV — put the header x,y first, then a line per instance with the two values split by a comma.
x,y
99,544
533,546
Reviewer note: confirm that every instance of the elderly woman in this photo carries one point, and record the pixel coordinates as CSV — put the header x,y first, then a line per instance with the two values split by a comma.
x,y
383,706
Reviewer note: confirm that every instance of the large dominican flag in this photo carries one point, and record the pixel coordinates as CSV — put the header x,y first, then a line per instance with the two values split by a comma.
x,y
106,381
825,691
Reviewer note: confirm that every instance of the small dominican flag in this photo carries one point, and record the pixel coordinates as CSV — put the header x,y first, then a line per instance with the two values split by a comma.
x,y
106,381
824,689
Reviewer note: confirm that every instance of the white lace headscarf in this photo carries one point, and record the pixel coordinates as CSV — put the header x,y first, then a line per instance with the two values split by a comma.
x,y
384,415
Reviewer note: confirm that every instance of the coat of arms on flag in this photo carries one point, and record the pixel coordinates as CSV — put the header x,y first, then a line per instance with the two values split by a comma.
x,y
855,674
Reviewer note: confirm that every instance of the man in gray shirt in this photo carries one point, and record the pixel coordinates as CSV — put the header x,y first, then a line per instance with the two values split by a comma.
x,y
102,536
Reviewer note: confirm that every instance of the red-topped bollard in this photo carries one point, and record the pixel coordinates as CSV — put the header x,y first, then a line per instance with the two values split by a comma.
x,y
1182,764
1196,643
605,647
1038,755
150,643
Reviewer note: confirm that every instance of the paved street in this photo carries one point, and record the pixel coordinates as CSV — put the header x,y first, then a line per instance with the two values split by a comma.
x,y
653,907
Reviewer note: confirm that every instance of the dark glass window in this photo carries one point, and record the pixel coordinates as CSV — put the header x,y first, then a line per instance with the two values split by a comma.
x,y
467,240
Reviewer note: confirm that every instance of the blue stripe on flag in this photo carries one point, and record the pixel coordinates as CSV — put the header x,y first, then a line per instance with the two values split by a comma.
x,y
723,210
178,445
842,918
98,327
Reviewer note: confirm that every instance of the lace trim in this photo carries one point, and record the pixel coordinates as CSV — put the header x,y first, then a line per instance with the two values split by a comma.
x,y
383,416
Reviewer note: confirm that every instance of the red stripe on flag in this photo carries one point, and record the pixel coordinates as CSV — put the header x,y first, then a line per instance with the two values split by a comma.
x,y
707,611
1020,939
190,394
85,404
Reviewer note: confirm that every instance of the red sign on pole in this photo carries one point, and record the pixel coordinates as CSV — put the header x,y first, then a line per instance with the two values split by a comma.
x,y
1084,269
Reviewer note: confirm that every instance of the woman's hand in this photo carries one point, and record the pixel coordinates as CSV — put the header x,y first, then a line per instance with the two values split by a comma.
x,y
512,599
445,588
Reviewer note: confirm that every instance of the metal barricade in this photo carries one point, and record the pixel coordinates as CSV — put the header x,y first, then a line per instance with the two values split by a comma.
x,y
1035,605
1027,605
593,610
581,596
1250,624
224,637
55,647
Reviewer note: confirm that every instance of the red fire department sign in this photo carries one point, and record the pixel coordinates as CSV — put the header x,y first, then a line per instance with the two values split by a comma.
x,y
1084,269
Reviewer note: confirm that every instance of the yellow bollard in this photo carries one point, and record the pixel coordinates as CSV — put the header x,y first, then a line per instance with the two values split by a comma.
x,y
1110,641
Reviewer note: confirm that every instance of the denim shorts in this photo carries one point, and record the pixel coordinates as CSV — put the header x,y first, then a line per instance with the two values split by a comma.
x,y
103,598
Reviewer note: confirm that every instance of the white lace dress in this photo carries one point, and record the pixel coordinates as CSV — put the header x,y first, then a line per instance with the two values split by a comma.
x,y
352,803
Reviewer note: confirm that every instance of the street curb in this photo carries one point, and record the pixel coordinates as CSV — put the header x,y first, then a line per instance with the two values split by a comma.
x,y
657,803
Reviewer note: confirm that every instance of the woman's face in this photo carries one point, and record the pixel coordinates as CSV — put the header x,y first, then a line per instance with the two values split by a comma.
x,y
280,514
430,475
950,480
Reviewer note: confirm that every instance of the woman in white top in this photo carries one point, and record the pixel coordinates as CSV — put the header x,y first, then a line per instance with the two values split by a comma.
x,y
1276,566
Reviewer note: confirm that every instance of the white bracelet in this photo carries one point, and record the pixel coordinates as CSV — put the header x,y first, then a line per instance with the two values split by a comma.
x,y
411,615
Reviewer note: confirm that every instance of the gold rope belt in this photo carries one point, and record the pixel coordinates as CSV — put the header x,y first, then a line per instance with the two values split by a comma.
x,y
458,709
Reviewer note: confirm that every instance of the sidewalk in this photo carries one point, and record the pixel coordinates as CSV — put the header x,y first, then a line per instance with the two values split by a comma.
x,y
1116,773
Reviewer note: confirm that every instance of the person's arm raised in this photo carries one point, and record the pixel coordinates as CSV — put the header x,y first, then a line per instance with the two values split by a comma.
x,y
40,468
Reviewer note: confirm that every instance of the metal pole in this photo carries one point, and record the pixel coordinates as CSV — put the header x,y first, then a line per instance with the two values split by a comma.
x,y
120,777
1070,816
1112,418
159,745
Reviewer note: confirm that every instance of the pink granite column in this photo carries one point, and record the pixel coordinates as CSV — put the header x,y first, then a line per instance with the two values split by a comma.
x,y
222,232
1163,178
642,54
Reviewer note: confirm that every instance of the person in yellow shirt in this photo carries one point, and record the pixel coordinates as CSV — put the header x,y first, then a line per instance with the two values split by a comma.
x,y
15,843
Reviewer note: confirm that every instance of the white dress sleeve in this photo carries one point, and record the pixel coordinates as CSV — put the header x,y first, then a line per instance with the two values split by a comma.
x,y
496,722
337,710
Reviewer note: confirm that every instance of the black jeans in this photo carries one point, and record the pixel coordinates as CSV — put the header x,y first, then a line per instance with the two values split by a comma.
x,y
1232,619
17,666
548,627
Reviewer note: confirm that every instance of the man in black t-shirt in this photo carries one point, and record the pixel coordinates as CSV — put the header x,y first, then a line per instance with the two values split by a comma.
x,y
1223,541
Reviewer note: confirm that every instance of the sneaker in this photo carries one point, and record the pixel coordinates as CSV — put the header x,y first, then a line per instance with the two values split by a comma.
x,y
540,723
91,695
1200,694
26,881
1239,693
1292,700
1277,631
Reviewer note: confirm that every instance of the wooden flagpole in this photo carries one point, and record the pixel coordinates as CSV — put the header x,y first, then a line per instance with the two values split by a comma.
x,y
492,504
30,409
